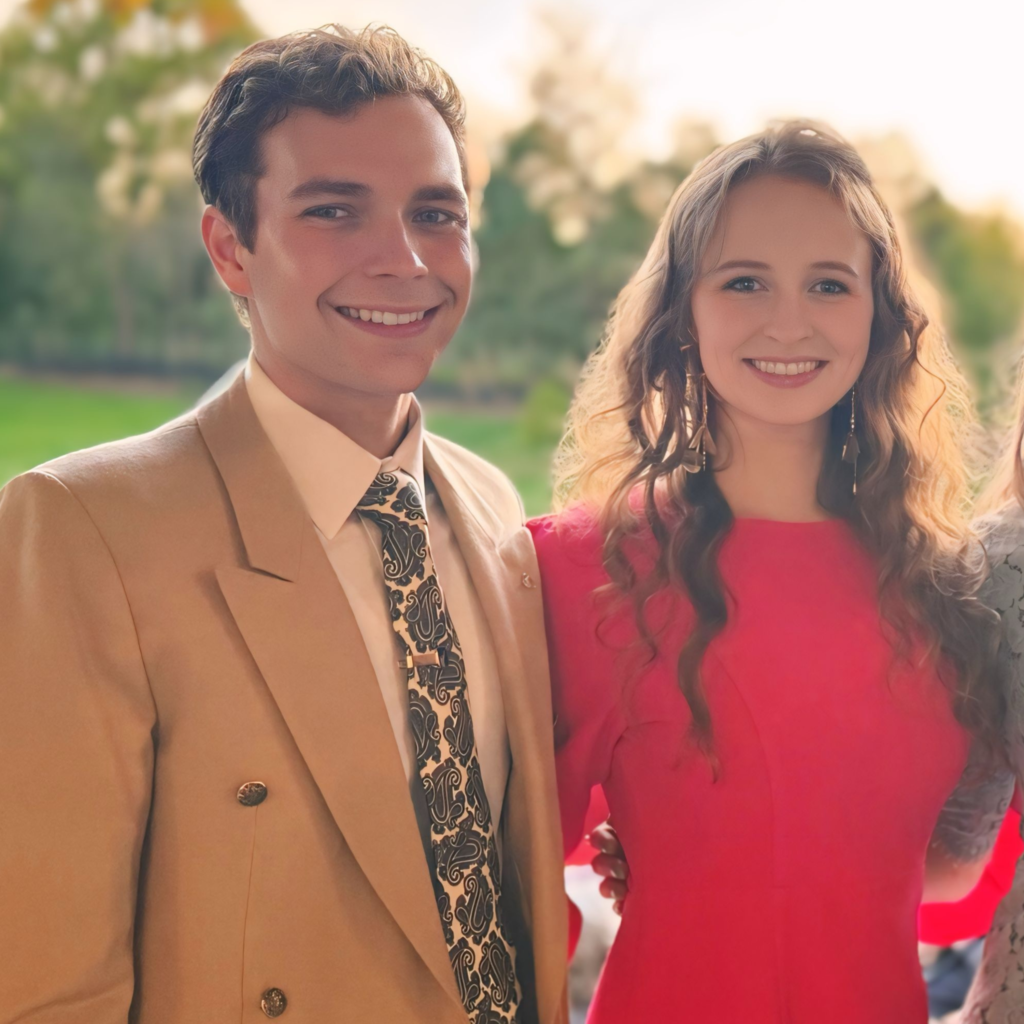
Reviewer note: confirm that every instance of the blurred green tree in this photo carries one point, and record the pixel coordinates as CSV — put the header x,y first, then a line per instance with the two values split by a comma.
x,y
100,260
977,261
568,214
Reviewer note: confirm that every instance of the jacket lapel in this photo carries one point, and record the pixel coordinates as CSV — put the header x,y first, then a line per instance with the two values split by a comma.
x,y
513,607
299,628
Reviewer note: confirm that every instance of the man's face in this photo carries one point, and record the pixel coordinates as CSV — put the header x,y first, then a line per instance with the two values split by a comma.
x,y
362,267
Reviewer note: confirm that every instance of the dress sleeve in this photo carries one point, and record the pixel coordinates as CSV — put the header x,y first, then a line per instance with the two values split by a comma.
x,y
587,696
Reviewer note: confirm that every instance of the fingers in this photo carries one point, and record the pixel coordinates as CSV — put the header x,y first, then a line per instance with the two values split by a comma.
x,y
603,838
610,864
610,867
613,889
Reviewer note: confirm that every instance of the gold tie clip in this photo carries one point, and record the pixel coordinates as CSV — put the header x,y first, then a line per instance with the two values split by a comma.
x,y
419,660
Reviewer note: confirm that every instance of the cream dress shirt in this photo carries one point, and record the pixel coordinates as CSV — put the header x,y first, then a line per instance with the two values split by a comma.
x,y
331,473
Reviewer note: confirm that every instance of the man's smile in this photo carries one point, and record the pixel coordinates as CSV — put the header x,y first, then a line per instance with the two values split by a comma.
x,y
389,317
389,323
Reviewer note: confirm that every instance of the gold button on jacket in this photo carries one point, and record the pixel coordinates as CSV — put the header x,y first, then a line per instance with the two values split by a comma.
x,y
251,794
273,1002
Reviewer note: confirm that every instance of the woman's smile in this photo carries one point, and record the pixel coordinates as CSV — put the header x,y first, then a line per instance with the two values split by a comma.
x,y
786,373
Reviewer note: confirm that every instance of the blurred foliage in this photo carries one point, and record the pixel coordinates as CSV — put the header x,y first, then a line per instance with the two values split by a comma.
x,y
977,262
101,264
100,258
542,413
567,217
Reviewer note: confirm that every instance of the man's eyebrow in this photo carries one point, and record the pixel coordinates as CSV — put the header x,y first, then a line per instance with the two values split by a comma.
x,y
439,194
316,187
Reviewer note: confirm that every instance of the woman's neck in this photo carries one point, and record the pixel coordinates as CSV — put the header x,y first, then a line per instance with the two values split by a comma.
x,y
769,471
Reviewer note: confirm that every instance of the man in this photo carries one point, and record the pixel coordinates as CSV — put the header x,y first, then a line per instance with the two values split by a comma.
x,y
275,724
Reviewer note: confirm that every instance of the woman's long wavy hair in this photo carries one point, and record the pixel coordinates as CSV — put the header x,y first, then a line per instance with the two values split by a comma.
x,y
638,407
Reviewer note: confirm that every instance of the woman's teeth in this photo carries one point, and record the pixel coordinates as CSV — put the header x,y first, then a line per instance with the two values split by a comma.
x,y
786,369
381,318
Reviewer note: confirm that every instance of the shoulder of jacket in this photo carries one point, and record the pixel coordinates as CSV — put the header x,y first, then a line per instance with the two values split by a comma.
x,y
143,460
489,484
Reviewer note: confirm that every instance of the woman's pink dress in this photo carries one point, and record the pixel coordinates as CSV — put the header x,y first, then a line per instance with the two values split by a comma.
x,y
787,891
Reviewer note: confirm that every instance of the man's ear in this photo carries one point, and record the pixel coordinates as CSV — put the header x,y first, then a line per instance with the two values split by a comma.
x,y
226,251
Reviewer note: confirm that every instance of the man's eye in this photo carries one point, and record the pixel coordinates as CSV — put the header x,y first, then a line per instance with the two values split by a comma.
x,y
327,212
831,287
437,217
743,284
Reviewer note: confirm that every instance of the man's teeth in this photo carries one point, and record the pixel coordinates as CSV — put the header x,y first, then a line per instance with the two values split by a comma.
x,y
786,369
379,317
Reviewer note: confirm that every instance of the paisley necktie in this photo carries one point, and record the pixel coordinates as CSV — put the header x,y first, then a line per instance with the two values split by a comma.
x,y
466,873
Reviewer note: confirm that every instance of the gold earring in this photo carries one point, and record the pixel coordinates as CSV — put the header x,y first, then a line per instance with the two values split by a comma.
x,y
851,449
702,442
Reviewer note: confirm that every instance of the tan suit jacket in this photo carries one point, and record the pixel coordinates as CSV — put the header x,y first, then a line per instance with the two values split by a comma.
x,y
170,630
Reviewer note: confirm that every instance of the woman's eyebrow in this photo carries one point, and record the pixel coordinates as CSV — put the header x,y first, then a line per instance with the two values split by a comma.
x,y
759,265
744,264
835,265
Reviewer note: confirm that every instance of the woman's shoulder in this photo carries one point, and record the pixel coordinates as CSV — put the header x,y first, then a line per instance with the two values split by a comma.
x,y
573,537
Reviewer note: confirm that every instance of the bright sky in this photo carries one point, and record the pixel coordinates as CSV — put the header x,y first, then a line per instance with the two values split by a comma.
x,y
946,76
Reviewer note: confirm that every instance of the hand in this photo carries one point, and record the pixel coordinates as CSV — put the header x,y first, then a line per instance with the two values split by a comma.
x,y
610,864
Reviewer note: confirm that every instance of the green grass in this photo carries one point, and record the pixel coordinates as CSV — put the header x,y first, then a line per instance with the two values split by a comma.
x,y
41,420
499,439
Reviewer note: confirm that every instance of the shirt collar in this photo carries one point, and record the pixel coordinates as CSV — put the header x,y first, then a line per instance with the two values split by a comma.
x,y
330,471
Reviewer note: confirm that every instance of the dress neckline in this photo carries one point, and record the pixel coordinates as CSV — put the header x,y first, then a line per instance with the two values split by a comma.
x,y
789,523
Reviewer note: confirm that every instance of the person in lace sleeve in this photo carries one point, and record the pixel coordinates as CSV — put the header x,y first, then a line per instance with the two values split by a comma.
x,y
997,995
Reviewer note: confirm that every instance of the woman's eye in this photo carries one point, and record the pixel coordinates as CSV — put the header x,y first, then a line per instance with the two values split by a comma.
x,y
832,287
743,284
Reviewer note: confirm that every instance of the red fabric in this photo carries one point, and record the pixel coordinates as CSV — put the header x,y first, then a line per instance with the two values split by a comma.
x,y
788,889
597,812
584,853
942,924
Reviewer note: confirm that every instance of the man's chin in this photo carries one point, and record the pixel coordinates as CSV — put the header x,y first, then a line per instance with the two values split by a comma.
x,y
391,378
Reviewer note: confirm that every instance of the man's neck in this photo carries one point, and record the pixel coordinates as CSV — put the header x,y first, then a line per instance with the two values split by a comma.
x,y
771,472
377,423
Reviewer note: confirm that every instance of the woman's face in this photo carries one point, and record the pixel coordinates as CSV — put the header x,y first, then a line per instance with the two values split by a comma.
x,y
783,305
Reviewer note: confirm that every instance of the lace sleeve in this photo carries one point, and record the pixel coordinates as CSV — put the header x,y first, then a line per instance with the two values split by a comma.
x,y
997,995
970,822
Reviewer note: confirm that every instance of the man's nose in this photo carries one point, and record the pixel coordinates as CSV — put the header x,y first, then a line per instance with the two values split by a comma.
x,y
789,320
393,252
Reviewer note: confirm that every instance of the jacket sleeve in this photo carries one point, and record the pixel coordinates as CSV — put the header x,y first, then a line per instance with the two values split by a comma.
x,y
77,728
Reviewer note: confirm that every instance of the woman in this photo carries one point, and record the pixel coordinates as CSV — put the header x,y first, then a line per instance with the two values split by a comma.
x,y
764,637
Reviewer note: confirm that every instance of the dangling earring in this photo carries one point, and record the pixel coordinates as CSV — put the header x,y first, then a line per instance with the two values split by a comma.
x,y
851,449
702,442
